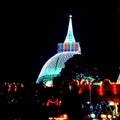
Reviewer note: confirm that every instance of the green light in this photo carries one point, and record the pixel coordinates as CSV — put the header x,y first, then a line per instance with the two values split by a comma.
x,y
70,16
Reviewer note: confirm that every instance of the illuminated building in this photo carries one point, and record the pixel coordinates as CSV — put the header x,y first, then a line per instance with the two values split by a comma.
x,y
66,50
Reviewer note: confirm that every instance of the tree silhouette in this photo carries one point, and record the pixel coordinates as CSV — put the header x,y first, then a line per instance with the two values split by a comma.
x,y
80,67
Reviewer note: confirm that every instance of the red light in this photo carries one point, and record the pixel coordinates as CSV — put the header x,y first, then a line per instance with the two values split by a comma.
x,y
90,86
15,89
114,89
9,88
101,90
80,91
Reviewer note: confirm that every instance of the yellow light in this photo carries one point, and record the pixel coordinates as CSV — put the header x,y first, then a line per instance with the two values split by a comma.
x,y
103,116
50,118
61,117
109,116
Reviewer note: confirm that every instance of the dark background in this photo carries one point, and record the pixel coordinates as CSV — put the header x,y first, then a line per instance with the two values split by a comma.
x,y
30,33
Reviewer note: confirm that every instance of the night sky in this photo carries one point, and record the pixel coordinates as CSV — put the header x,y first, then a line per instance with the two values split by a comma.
x,y
30,33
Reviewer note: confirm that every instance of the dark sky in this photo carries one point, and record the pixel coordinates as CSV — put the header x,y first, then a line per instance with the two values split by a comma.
x,y
30,33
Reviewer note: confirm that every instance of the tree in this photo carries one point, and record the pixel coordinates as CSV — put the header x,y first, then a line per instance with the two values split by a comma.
x,y
79,67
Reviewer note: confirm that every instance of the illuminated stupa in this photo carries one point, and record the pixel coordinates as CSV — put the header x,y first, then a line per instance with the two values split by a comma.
x,y
66,50
118,80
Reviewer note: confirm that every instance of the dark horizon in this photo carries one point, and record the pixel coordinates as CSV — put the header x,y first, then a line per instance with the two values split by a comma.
x,y
30,36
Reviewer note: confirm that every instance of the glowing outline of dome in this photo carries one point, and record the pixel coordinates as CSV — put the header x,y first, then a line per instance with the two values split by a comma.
x,y
50,68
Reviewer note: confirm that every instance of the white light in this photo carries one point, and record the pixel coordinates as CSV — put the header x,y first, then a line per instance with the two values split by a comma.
x,y
109,116
111,103
49,83
88,102
92,115
114,116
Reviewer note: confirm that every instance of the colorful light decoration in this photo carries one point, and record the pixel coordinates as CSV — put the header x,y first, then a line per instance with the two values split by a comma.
x,y
102,89
65,51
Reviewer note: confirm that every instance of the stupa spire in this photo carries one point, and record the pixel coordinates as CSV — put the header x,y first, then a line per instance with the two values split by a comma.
x,y
69,45
70,36
118,79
